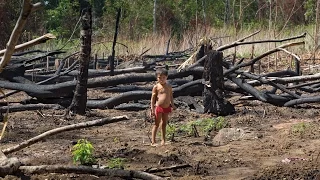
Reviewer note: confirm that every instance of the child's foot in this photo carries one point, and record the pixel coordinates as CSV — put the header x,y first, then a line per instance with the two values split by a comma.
x,y
163,143
153,144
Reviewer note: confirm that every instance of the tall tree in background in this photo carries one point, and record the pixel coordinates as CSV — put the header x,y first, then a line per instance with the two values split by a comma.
x,y
227,13
79,101
56,15
97,13
9,12
316,33
154,16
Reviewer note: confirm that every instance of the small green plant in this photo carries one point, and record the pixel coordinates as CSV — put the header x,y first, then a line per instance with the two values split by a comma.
x,y
116,140
189,128
299,128
116,163
83,152
170,132
204,125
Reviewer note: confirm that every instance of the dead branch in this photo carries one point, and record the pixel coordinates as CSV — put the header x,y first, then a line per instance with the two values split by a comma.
x,y
33,140
238,43
88,170
28,107
8,165
65,89
160,169
313,99
254,60
39,40
286,80
28,7
246,37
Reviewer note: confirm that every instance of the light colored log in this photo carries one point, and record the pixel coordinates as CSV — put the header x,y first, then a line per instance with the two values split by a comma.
x,y
33,140
89,170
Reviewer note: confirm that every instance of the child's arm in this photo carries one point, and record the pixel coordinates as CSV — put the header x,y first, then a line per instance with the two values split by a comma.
x,y
153,99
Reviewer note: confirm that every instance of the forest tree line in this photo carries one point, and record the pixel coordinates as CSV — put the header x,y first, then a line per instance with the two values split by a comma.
x,y
164,17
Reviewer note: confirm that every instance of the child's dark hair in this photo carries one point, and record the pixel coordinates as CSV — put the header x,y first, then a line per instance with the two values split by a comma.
x,y
160,71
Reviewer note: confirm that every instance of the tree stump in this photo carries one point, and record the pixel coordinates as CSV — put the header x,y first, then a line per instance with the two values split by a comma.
x,y
213,93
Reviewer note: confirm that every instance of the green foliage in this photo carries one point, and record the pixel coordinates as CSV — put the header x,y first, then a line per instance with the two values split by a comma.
x,y
300,128
83,152
170,131
188,128
310,7
116,140
56,18
212,124
116,163
205,125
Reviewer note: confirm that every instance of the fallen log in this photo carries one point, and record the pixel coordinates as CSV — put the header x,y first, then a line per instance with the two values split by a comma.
x,y
240,42
186,89
127,174
254,60
8,165
92,73
28,107
41,82
65,89
132,106
313,99
38,138
160,169
125,88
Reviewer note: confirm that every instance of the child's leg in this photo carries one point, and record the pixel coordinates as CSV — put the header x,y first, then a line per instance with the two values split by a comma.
x,y
155,127
165,117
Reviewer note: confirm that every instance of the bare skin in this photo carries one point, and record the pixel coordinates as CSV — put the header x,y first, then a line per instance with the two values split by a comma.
x,y
161,96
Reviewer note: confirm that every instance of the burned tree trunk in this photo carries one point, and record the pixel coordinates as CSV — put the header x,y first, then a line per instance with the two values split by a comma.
x,y
111,61
213,93
79,101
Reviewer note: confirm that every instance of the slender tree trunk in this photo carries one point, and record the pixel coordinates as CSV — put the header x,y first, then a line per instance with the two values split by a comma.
x,y
204,14
154,16
111,60
270,26
227,13
316,32
79,101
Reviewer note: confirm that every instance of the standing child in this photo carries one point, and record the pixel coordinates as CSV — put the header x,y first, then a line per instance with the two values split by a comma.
x,y
161,104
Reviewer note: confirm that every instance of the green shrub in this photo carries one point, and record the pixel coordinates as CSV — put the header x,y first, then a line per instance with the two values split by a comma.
x,y
83,152
300,128
116,163
204,125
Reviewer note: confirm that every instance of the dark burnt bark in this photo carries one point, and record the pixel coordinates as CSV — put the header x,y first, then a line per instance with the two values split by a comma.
x,y
213,94
65,89
186,89
114,43
78,104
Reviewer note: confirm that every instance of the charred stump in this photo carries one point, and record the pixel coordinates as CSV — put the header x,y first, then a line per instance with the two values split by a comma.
x,y
79,101
213,93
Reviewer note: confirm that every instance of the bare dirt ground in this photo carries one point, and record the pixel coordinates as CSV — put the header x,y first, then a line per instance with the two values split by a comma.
x,y
278,143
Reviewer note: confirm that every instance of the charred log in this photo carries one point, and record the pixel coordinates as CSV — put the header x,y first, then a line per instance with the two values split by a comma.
x,y
313,99
79,101
132,106
186,89
28,107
